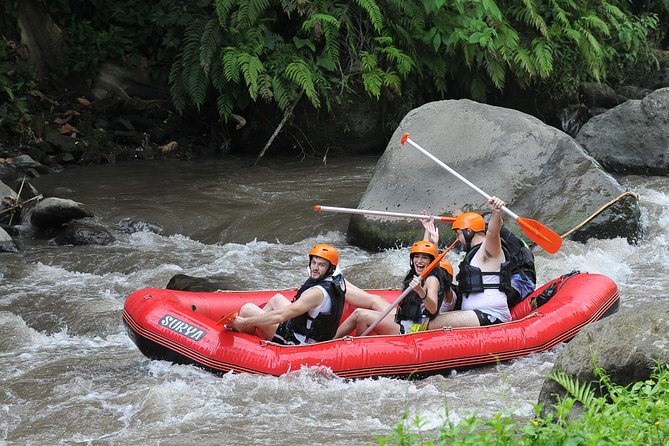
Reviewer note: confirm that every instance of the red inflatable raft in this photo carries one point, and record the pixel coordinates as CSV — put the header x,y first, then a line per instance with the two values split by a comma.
x,y
184,327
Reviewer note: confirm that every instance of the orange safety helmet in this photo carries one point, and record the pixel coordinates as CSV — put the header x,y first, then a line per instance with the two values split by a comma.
x,y
445,264
328,252
424,247
469,220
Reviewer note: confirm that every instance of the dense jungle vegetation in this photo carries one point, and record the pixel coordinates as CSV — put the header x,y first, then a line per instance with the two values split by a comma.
x,y
222,57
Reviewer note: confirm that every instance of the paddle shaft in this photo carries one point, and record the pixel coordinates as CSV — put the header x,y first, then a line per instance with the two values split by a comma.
x,y
460,177
404,294
318,208
538,233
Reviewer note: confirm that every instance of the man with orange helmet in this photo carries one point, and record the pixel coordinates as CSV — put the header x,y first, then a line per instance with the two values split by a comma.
x,y
482,279
314,313
418,307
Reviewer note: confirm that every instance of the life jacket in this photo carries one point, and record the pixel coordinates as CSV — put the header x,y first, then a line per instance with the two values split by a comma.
x,y
412,308
324,326
470,278
520,254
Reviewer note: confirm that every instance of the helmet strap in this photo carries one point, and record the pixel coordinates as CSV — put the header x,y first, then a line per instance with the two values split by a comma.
x,y
469,235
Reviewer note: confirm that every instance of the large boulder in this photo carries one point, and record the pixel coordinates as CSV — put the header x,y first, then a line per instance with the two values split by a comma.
x,y
632,137
627,345
541,173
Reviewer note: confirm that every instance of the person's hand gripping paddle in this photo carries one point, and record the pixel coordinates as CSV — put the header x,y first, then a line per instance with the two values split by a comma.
x,y
535,231
396,302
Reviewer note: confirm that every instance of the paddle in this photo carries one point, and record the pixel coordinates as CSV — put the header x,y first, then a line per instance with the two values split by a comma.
x,y
537,232
319,208
227,318
404,294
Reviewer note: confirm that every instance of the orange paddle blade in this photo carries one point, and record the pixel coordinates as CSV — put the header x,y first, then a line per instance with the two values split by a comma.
x,y
227,318
540,234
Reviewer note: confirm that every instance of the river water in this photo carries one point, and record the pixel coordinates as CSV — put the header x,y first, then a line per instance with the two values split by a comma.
x,y
70,374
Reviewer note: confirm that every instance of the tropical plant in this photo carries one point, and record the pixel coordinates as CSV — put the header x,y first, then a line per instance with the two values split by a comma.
x,y
276,50
17,79
622,415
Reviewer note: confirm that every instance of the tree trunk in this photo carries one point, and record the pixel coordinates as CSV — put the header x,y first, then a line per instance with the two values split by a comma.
x,y
42,37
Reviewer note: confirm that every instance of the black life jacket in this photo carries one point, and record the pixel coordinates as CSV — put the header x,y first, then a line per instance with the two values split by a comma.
x,y
470,278
411,308
520,254
324,326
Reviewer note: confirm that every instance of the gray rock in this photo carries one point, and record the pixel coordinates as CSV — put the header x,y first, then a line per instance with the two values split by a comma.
x,y
183,282
538,170
130,226
55,212
7,192
627,345
632,138
6,242
80,232
23,161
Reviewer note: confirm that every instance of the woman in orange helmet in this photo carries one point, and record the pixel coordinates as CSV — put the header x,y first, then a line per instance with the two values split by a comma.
x,y
418,307
432,235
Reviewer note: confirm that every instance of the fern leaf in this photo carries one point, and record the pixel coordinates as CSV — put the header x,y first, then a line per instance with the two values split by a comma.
x,y
583,393
478,89
284,95
224,105
495,71
265,87
594,23
369,61
217,75
196,85
300,74
392,81
251,67
177,92
404,63
231,68
372,82
543,53
209,43
322,20
374,13
249,11
523,59
223,8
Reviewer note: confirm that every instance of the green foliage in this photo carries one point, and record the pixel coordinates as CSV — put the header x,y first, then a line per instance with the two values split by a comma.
x,y
16,81
232,53
126,31
278,50
632,415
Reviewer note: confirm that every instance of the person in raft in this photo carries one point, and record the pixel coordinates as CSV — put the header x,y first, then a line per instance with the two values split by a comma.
x,y
484,274
314,313
418,307
431,234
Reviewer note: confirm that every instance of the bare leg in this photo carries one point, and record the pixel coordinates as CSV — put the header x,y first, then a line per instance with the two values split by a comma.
x,y
455,319
348,325
362,318
362,299
387,326
249,309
